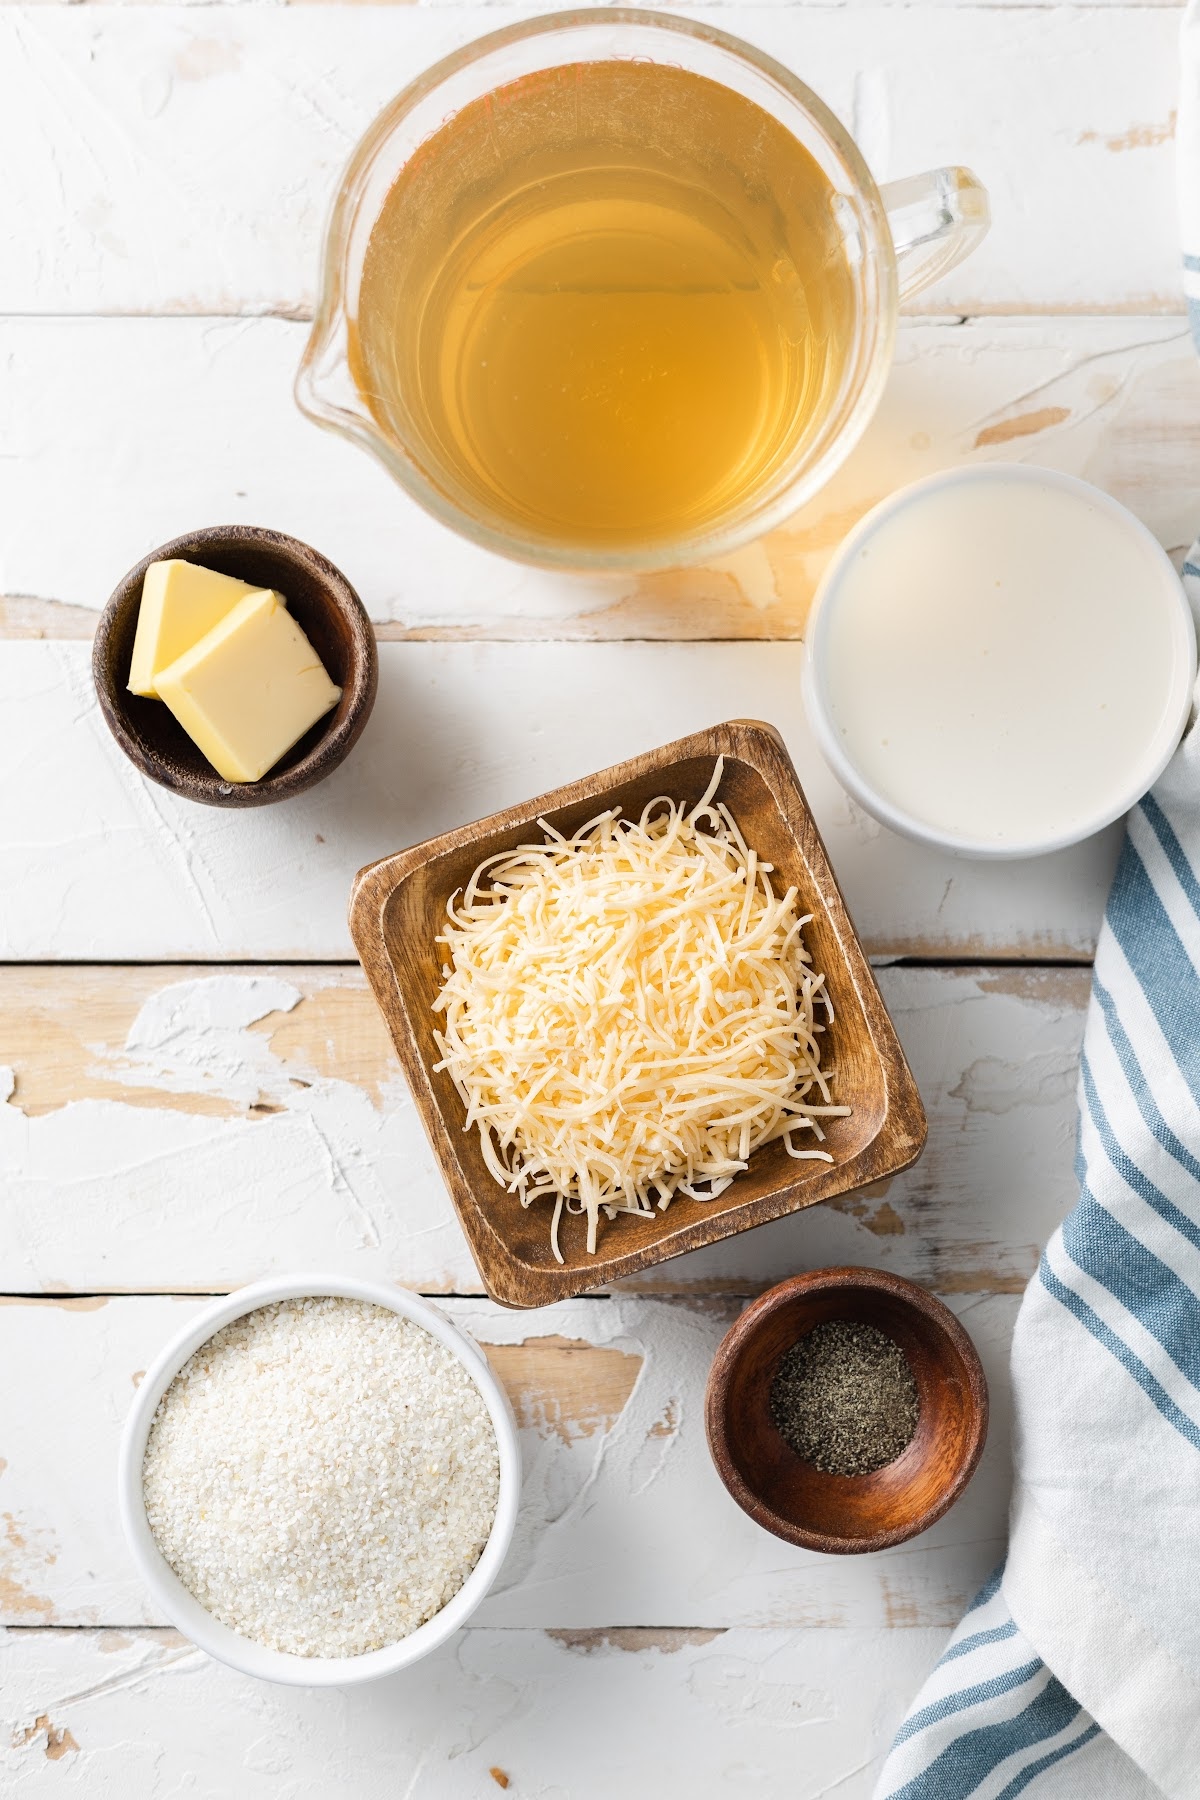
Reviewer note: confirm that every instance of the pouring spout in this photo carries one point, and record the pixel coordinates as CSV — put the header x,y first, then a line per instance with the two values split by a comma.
x,y
325,390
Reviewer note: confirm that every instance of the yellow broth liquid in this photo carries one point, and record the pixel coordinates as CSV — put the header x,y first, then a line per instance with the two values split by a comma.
x,y
604,306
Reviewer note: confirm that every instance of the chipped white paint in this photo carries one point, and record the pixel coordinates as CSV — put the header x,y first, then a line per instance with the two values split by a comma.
x,y
100,863
578,1558
191,1038
109,1193
130,200
1114,400
785,1715
326,1179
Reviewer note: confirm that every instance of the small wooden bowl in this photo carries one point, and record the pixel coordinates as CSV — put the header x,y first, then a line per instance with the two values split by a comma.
x,y
321,601
843,1514
398,907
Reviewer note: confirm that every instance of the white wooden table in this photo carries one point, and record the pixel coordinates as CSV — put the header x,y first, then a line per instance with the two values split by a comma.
x,y
196,1089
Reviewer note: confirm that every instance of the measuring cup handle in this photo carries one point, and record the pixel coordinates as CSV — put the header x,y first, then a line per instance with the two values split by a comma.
x,y
936,220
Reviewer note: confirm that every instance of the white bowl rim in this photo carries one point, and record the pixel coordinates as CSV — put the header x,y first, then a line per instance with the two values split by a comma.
x,y
908,824
185,1611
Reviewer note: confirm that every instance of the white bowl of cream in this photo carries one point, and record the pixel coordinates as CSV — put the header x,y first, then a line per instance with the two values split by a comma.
x,y
1000,661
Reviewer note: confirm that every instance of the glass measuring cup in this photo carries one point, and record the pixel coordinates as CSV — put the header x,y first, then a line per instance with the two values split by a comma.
x,y
895,240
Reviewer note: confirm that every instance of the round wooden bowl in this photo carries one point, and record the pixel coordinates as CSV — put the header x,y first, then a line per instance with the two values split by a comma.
x,y
323,604
843,1514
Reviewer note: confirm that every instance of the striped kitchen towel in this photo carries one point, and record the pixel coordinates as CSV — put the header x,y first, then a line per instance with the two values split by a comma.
x,y
1075,1675
1077,1670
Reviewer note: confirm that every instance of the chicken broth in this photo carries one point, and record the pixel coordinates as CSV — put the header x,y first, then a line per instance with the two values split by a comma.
x,y
607,304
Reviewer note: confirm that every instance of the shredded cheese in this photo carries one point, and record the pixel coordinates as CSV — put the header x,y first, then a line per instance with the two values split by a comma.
x,y
629,1013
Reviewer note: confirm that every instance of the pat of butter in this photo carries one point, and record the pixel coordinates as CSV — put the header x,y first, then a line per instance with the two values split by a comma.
x,y
249,689
180,603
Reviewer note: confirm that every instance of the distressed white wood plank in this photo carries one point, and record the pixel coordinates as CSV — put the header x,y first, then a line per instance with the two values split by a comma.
x,y
153,426
99,863
168,1131
181,159
498,5
142,1716
694,1559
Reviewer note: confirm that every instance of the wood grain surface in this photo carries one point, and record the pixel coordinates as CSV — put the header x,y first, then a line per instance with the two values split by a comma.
x,y
183,1129
102,865
797,1713
1115,400
1068,120
694,1559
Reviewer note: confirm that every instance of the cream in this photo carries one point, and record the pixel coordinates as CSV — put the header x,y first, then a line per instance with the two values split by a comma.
x,y
1003,657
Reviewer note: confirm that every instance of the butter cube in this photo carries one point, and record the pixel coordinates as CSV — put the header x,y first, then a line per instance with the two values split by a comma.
x,y
180,602
249,689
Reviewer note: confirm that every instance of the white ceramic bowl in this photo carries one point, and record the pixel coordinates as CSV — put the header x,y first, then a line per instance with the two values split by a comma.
x,y
185,1611
1142,775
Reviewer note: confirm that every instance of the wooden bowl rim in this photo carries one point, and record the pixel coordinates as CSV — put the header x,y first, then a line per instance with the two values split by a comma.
x,y
509,1280
845,1279
331,748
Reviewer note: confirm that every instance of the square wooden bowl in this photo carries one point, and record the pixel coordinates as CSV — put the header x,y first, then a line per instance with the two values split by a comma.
x,y
398,907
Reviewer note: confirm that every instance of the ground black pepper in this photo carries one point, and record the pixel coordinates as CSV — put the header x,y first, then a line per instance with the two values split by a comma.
x,y
844,1398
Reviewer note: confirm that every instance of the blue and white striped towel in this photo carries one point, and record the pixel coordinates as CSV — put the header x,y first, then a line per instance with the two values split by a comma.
x,y
1077,1670
1076,1673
